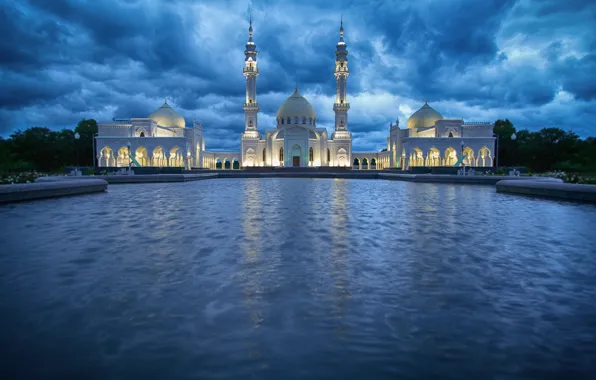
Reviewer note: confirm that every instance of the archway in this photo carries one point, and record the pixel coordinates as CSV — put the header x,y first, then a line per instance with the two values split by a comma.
x,y
106,156
373,163
249,158
485,158
141,156
123,159
176,157
296,155
218,163
281,153
434,157
416,158
342,157
364,163
356,163
450,156
227,164
469,160
235,164
159,157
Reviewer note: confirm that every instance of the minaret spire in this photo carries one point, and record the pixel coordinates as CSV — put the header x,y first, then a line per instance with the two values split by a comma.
x,y
341,73
250,29
250,72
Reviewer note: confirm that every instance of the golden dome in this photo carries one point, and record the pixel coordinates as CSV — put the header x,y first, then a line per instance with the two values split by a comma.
x,y
424,117
166,116
296,106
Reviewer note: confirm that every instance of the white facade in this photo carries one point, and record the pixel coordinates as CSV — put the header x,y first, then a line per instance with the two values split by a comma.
x,y
432,141
160,140
164,140
296,141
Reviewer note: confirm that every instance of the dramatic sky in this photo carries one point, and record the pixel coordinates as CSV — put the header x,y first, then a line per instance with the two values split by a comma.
x,y
533,62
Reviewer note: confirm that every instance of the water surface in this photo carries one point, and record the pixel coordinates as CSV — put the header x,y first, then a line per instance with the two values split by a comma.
x,y
298,278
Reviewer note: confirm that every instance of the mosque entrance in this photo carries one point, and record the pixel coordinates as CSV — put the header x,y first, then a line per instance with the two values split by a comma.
x,y
296,153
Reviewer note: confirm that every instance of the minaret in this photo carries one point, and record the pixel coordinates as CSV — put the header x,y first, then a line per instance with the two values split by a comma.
x,y
341,72
251,107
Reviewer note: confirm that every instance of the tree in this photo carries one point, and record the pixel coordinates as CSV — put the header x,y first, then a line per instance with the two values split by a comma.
x,y
504,129
87,129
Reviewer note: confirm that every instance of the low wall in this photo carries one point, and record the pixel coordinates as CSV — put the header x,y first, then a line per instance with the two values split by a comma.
x,y
549,189
470,180
137,178
50,189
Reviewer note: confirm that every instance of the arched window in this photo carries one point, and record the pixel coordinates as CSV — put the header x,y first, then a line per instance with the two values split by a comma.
x,y
295,119
281,154
265,154
310,120
142,134
303,120
289,121
311,154
450,134
282,120
328,155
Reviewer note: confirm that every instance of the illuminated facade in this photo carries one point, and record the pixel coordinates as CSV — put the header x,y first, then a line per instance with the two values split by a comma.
x,y
296,141
163,139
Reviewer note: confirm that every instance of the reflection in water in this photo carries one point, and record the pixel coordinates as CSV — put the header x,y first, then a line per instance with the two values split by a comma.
x,y
298,278
339,252
252,219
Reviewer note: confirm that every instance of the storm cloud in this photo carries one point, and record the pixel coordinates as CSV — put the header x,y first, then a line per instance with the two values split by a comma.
x,y
530,61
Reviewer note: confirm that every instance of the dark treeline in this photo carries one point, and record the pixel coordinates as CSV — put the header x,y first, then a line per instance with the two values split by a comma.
x,y
546,149
44,150
41,149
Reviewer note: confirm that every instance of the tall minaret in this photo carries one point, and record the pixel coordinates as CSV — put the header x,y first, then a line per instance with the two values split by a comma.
x,y
251,107
341,72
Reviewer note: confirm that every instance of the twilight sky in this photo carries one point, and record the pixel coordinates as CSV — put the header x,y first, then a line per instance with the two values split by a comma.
x,y
533,62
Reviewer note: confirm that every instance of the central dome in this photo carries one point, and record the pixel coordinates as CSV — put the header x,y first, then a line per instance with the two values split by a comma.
x,y
166,116
296,107
424,117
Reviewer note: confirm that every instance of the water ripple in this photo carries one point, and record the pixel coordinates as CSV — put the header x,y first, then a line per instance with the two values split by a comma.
x,y
298,278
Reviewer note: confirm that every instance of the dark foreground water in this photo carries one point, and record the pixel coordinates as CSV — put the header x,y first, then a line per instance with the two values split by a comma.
x,y
297,278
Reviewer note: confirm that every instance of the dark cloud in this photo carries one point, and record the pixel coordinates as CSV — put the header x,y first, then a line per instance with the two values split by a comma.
x,y
529,61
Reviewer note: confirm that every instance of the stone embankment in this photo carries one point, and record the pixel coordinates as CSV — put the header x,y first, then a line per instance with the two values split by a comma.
x,y
50,189
549,189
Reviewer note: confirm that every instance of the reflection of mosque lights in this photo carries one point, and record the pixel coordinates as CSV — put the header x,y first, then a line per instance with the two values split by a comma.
x,y
339,248
251,280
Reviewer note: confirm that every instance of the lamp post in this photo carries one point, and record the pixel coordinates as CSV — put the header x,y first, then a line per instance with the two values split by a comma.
x,y
94,149
462,157
129,159
513,137
77,137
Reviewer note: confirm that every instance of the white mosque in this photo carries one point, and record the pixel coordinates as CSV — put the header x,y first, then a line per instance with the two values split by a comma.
x,y
164,140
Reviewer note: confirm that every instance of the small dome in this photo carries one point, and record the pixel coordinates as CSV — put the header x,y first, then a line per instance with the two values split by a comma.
x,y
166,116
296,106
424,117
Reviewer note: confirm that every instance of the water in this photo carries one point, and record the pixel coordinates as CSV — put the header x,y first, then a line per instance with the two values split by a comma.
x,y
298,278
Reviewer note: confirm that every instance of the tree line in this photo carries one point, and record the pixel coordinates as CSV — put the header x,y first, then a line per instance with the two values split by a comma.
x,y
544,150
44,150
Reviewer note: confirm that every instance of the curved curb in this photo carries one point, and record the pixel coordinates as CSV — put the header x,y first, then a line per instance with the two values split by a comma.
x,y
50,189
549,189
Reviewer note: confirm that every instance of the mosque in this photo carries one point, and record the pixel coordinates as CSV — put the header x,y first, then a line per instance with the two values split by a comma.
x,y
164,139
